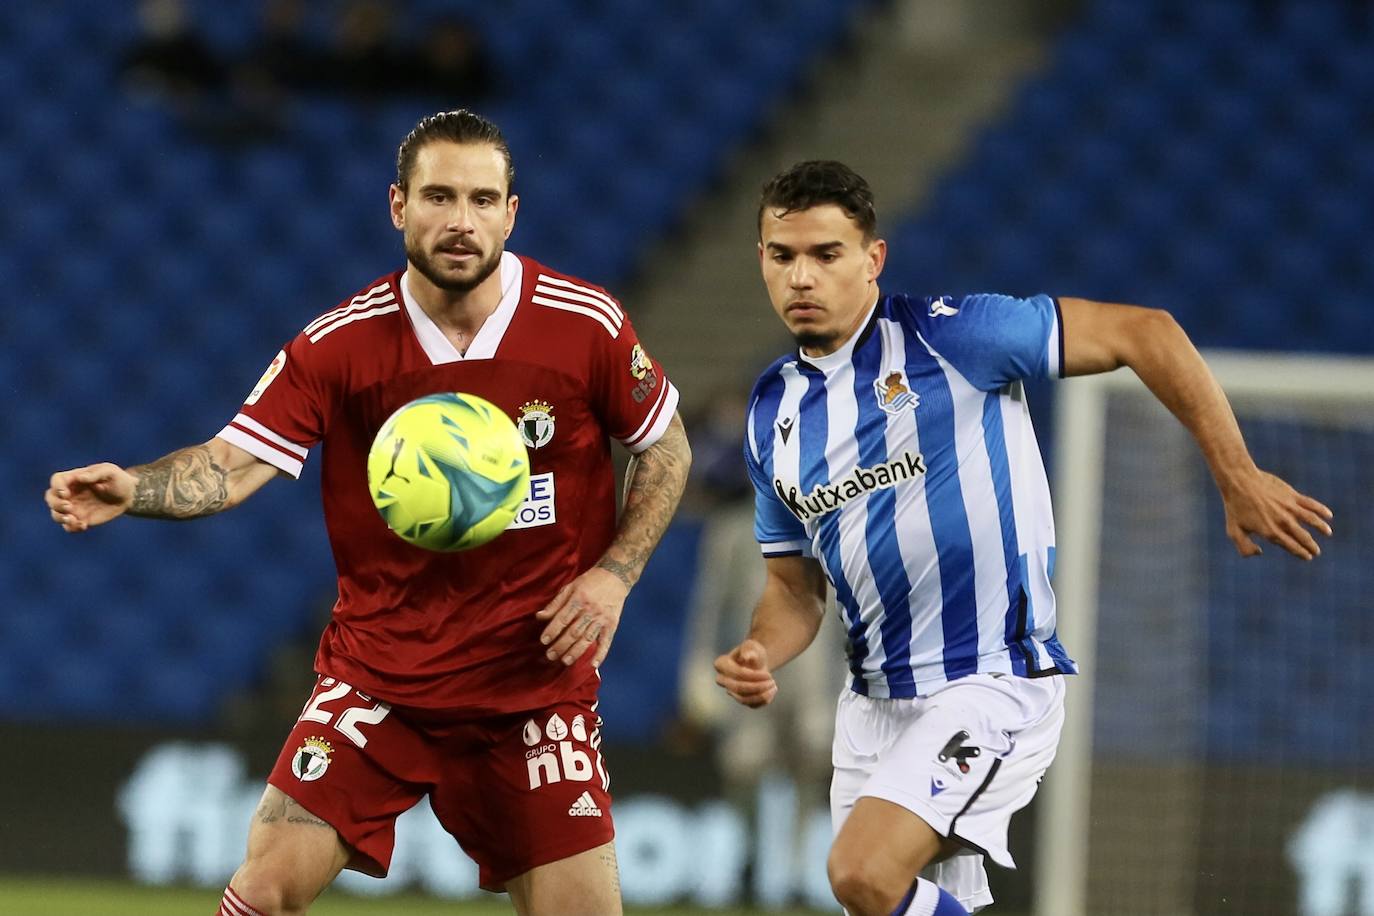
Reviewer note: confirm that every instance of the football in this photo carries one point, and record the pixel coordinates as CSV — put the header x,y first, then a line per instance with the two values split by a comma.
x,y
448,471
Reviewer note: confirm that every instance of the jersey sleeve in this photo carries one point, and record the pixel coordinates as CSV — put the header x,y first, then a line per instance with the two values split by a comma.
x,y
287,411
993,340
778,531
630,391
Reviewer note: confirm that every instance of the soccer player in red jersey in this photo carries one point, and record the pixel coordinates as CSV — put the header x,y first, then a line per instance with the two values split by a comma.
x,y
469,677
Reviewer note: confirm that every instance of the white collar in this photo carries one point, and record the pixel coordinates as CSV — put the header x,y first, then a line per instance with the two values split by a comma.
x,y
845,354
436,344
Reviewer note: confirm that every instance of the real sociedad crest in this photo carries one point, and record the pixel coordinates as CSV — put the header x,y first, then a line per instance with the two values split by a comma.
x,y
536,423
894,395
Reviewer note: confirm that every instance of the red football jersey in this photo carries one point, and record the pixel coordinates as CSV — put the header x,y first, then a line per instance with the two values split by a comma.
x,y
456,631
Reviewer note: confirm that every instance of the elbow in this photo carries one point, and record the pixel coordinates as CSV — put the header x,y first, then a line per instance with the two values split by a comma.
x,y
1151,334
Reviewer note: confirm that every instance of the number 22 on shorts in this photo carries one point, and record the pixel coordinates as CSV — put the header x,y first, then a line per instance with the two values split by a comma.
x,y
350,720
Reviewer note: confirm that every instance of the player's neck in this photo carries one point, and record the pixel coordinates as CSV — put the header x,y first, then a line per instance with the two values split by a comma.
x,y
459,315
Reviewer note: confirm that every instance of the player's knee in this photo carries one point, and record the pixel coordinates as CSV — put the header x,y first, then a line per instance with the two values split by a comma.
x,y
271,888
861,886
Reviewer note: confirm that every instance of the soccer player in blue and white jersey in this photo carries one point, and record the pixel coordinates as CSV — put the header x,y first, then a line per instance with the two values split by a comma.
x,y
892,456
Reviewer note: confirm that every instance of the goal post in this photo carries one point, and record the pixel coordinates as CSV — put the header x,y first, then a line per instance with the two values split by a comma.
x,y
1201,696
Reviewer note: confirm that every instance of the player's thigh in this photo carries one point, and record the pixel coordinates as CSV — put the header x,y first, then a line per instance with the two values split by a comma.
x,y
357,765
292,855
885,844
585,884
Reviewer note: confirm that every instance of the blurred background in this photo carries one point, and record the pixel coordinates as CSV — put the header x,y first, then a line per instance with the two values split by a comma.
x,y
186,183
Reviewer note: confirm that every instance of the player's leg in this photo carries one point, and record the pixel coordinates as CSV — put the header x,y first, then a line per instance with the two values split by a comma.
x,y
347,770
878,851
955,772
586,884
292,857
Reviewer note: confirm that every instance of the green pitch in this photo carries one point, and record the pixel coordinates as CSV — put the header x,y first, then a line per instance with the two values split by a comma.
x,y
81,897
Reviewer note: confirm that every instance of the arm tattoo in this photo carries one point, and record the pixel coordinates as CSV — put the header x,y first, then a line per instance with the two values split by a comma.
x,y
272,811
654,484
184,484
608,859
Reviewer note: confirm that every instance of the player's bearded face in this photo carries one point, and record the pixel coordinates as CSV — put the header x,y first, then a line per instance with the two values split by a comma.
x,y
456,213
821,274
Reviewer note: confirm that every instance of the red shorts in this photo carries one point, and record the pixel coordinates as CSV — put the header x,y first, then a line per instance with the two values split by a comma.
x,y
516,791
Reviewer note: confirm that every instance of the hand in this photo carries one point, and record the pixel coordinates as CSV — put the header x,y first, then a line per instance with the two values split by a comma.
x,y
743,672
1265,505
584,613
83,497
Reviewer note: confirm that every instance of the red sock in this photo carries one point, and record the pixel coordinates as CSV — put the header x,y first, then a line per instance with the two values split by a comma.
x,y
233,905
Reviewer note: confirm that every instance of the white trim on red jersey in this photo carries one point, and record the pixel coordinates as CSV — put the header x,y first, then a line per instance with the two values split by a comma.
x,y
265,445
582,300
380,300
656,423
367,298
435,342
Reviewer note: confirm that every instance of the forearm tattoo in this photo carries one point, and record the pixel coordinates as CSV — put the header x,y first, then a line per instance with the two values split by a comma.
x,y
655,481
184,484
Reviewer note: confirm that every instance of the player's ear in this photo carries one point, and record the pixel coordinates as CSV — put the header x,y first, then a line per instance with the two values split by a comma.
x,y
398,206
512,204
877,257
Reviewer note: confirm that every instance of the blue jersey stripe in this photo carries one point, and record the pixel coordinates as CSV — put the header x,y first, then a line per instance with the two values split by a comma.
x,y
1025,644
814,429
1061,658
994,438
948,519
765,415
884,551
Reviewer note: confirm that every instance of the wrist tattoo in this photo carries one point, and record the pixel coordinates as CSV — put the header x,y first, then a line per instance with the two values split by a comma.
x,y
620,570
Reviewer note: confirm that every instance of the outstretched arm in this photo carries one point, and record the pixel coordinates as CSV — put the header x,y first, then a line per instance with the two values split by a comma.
x,y
1099,337
786,621
586,611
188,483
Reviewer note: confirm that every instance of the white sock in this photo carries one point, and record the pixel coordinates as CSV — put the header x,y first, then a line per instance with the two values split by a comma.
x,y
929,900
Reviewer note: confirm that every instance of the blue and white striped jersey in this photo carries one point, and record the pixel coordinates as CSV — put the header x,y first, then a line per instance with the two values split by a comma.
x,y
905,462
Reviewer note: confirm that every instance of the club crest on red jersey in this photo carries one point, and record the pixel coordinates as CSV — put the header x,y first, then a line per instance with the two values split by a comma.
x,y
535,423
311,759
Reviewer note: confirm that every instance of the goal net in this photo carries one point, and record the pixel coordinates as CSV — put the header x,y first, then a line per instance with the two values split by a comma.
x,y
1218,757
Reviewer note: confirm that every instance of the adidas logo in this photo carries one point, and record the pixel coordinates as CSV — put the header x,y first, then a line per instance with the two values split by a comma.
x,y
584,806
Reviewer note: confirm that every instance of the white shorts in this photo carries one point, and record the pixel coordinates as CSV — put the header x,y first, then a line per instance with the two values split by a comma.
x,y
963,759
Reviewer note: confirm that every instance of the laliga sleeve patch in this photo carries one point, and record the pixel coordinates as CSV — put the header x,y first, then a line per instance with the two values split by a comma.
x,y
640,364
273,370
642,370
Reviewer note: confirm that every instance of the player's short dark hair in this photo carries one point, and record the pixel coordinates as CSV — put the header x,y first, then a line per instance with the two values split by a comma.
x,y
817,182
458,126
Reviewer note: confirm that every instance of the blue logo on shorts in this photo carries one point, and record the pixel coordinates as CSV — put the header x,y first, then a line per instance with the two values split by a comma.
x,y
936,787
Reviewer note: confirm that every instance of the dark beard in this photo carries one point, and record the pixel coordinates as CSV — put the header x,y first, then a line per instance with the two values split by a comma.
x,y
812,340
425,265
